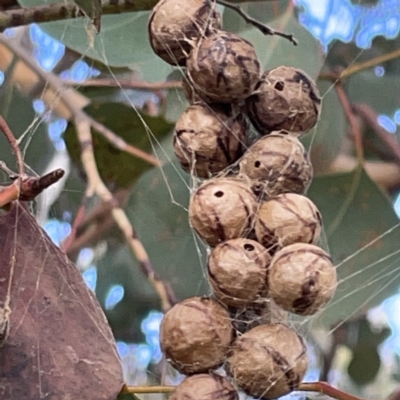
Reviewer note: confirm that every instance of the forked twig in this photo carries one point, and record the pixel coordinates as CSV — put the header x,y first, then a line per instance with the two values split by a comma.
x,y
266,30
14,145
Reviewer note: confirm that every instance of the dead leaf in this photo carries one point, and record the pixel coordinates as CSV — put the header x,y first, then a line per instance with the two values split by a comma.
x,y
59,344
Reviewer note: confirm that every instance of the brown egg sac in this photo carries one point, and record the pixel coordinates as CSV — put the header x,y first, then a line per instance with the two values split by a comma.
x,y
175,26
277,163
195,335
208,139
204,387
268,361
237,272
286,219
285,98
222,209
255,314
223,68
302,278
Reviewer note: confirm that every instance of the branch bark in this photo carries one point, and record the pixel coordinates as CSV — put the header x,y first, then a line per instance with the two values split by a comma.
x,y
63,11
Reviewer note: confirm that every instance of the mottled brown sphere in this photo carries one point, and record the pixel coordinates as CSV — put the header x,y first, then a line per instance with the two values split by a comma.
x,y
195,335
223,68
222,209
286,219
268,361
285,98
175,26
208,139
277,163
302,278
205,387
237,272
255,314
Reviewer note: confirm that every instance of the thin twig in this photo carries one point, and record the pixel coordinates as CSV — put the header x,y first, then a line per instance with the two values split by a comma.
x,y
83,124
127,84
120,144
14,145
266,30
147,389
360,66
80,215
325,388
368,114
65,92
319,387
355,128
64,10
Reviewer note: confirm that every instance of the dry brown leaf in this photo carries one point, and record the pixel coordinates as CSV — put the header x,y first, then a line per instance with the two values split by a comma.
x,y
59,344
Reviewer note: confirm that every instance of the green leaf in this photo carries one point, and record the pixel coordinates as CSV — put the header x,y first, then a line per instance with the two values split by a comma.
x,y
325,140
363,236
36,146
365,363
381,93
92,8
122,41
161,223
157,209
118,168
274,51
119,267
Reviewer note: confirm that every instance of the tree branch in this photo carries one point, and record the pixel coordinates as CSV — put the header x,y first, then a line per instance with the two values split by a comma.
x,y
368,114
62,93
373,62
127,84
83,124
63,11
355,128
14,145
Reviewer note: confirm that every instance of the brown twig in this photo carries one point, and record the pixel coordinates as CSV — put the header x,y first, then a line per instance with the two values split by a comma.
x,y
319,387
332,76
128,84
355,128
45,76
120,144
325,388
368,114
14,145
80,215
266,30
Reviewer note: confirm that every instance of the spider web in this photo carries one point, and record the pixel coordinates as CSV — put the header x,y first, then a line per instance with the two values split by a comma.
x,y
304,325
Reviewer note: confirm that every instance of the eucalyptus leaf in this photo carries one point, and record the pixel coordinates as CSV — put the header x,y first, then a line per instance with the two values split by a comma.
x,y
118,168
122,42
91,8
324,142
363,236
380,92
157,209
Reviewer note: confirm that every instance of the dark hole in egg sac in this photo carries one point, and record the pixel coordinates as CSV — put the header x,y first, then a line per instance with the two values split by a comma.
x,y
248,247
219,193
257,164
279,86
